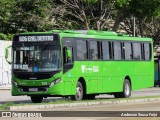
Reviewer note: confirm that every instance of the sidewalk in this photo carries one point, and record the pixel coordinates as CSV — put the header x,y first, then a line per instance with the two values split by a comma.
x,y
5,88
51,106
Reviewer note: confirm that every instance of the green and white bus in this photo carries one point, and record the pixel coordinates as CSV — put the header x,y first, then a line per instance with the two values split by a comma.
x,y
80,64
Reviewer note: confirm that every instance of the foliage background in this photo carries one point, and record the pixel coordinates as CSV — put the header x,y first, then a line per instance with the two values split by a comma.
x,y
18,16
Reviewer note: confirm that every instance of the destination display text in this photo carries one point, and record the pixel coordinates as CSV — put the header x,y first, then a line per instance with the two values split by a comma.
x,y
36,38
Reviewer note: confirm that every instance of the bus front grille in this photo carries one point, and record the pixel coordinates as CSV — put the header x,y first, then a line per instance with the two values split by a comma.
x,y
34,89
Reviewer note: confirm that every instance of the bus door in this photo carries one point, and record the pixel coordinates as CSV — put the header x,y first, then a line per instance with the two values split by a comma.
x,y
68,63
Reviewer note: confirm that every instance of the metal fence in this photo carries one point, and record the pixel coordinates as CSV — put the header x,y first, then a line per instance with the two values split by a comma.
x,y
5,68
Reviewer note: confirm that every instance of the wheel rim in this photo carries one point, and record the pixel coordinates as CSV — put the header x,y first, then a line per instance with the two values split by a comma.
x,y
127,89
78,92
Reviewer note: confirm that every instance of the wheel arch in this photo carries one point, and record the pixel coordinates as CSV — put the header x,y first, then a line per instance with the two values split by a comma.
x,y
82,80
129,79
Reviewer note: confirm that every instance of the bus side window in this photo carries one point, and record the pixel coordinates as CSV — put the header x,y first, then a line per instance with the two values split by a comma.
x,y
105,50
117,51
147,51
68,55
93,50
82,53
137,51
128,51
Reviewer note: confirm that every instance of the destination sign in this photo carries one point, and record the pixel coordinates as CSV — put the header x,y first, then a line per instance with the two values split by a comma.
x,y
36,38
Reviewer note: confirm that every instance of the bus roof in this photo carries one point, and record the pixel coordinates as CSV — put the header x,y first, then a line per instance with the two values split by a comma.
x,y
92,34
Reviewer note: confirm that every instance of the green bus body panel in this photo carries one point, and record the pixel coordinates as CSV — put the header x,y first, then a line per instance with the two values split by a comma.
x,y
99,76
111,75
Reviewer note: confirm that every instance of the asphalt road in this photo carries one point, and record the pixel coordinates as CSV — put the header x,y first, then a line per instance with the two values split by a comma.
x,y
146,106
151,108
6,95
141,106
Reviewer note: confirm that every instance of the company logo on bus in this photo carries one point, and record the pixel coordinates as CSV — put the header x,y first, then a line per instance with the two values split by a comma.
x,y
36,38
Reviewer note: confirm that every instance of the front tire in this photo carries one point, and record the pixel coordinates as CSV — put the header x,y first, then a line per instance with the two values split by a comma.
x,y
36,99
79,92
126,90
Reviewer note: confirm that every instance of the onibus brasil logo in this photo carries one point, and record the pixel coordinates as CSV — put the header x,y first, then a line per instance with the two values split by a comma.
x,y
20,114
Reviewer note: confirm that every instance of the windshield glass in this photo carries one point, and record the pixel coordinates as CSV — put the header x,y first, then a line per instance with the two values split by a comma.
x,y
44,58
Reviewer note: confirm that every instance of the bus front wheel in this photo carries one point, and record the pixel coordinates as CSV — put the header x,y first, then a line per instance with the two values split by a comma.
x,y
126,90
36,99
79,92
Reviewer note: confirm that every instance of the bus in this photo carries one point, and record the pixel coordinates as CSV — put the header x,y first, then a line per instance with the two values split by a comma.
x,y
80,64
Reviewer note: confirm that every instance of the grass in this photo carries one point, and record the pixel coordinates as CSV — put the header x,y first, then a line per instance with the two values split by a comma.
x,y
6,105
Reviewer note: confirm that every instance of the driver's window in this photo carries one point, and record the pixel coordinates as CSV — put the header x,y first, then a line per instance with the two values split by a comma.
x,y
68,55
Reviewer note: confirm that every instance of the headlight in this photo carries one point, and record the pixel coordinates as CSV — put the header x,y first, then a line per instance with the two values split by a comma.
x,y
55,82
14,83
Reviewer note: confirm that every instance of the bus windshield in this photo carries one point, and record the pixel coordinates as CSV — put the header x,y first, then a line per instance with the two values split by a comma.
x,y
42,58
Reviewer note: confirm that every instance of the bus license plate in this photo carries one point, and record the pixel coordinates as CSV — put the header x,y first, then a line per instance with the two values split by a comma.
x,y
33,89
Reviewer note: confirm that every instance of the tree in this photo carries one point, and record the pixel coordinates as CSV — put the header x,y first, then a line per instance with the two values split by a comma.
x,y
6,8
121,7
25,15
88,14
36,15
30,15
143,10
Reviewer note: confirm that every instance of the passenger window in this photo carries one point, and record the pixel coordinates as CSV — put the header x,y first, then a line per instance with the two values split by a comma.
x,y
81,50
105,51
147,53
127,51
117,51
93,50
137,51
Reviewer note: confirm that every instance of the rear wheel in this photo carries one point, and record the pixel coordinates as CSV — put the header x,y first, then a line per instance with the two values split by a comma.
x,y
36,99
79,92
126,90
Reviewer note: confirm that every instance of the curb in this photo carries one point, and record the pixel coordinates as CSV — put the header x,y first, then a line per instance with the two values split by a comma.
x,y
68,105
5,88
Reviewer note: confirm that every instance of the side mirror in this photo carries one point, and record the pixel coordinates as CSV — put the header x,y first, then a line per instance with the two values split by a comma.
x,y
7,53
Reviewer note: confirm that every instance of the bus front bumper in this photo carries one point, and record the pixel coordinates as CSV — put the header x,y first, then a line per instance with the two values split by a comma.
x,y
55,90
